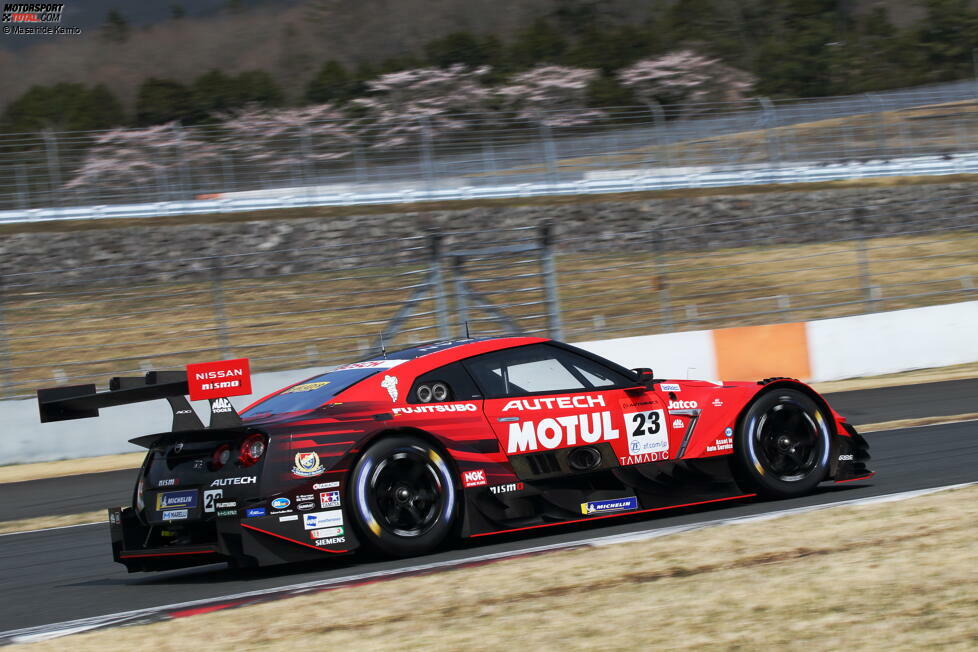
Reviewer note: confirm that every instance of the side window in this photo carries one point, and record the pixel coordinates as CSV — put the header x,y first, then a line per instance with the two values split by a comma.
x,y
448,383
539,369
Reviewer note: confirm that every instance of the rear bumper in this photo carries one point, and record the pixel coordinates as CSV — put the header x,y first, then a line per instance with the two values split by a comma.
x,y
259,542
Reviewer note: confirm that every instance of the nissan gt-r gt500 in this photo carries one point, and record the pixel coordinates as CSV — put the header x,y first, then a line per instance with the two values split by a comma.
x,y
407,451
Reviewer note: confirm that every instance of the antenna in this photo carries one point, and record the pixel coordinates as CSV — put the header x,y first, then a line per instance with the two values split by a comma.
x,y
467,336
383,347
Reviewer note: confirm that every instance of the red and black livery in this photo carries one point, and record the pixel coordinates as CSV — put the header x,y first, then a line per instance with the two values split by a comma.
x,y
465,438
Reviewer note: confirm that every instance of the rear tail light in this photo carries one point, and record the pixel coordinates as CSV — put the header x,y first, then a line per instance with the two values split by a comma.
x,y
221,456
252,449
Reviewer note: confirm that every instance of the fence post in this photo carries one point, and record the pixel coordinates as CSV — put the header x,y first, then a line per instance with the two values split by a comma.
x,y
427,156
489,158
659,129
549,270
769,121
220,311
665,300
437,285
54,168
23,192
862,262
461,301
183,175
305,142
880,126
6,364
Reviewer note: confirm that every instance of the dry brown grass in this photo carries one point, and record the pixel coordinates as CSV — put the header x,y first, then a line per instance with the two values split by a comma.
x,y
895,576
61,520
25,472
915,377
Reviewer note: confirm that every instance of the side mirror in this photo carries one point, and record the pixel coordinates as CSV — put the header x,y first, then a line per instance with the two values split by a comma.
x,y
646,378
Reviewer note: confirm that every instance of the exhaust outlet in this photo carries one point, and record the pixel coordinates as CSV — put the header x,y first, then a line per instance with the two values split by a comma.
x,y
586,458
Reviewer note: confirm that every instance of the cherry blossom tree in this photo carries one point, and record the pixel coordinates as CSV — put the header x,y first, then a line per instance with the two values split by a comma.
x,y
135,157
281,139
551,95
685,78
402,105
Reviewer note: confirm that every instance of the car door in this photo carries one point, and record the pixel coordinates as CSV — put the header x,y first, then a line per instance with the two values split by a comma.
x,y
542,397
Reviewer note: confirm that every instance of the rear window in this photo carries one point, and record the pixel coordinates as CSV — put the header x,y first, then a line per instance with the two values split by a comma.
x,y
311,393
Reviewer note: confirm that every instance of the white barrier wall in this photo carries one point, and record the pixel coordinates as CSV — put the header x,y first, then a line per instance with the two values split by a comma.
x,y
829,349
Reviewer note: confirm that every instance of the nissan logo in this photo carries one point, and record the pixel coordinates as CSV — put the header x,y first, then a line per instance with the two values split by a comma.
x,y
178,447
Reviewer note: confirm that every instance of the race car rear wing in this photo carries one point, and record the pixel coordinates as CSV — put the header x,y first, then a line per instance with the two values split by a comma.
x,y
83,401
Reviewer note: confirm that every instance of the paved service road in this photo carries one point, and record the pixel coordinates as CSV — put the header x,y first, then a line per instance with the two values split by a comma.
x,y
65,574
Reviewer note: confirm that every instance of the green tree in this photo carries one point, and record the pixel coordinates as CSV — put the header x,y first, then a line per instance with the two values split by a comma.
x,y
539,43
458,47
163,100
947,37
332,84
63,107
258,87
115,29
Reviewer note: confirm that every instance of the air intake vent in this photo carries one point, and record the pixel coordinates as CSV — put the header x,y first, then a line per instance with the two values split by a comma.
x,y
543,463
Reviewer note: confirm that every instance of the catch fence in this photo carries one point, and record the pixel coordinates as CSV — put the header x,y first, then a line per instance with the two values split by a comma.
x,y
333,303
255,165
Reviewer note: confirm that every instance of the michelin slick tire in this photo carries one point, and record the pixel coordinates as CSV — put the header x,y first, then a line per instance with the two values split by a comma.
x,y
782,445
405,501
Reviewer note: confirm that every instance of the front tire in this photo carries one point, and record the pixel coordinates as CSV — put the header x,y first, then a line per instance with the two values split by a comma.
x,y
405,500
782,445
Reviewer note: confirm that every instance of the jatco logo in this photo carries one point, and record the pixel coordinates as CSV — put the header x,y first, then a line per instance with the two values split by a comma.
x,y
475,478
220,379
683,405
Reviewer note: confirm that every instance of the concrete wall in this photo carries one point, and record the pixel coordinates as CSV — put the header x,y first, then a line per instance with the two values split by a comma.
x,y
829,349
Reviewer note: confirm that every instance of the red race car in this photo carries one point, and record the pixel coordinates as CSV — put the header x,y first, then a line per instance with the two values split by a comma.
x,y
475,437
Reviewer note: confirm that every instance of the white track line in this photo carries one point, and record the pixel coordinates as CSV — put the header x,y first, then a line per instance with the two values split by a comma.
x,y
56,630
48,529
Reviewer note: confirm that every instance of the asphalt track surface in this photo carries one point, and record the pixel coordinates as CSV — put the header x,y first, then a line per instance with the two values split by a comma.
x,y
66,574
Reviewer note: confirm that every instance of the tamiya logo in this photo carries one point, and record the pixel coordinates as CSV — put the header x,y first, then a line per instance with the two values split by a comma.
x,y
683,405
561,431
32,12
329,499
475,478
606,506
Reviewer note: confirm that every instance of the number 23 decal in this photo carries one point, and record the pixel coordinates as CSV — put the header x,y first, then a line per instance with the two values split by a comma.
x,y
646,423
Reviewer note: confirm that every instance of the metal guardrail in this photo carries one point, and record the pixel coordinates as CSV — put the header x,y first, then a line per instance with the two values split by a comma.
x,y
328,304
930,130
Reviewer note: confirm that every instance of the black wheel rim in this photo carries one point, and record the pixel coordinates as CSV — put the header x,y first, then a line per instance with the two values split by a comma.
x,y
406,493
787,441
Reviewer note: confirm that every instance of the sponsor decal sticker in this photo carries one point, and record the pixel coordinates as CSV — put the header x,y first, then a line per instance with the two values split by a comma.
x,y
557,432
252,512
506,488
723,444
306,387
225,513
305,507
211,380
670,387
330,542
441,407
175,514
371,364
284,519
280,503
210,498
324,485
329,499
476,478
176,499
307,465
717,403
390,384
221,405
609,506
302,498
317,520
646,432
678,424
845,458
683,405
728,432
169,482
326,533
644,458
225,482
559,402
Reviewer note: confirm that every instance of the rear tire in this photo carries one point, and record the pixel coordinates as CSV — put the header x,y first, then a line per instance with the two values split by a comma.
x,y
405,501
782,445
